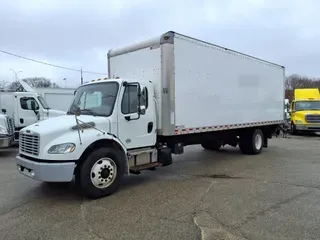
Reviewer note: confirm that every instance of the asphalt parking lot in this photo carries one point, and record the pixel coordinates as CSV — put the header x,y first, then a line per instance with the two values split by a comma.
x,y
203,195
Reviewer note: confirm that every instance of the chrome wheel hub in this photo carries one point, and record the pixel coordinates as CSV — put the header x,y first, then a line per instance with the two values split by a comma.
x,y
258,141
103,173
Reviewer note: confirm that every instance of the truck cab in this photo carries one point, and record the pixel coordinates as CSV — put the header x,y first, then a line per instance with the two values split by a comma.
x,y
109,130
305,110
128,115
25,108
30,107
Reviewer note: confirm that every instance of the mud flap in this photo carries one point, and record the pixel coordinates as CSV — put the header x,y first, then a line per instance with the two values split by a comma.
x,y
265,142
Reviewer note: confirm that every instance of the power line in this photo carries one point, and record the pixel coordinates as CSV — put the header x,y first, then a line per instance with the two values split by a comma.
x,y
52,65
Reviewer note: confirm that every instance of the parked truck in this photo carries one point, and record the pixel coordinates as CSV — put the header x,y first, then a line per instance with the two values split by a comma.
x,y
6,131
20,109
161,95
305,110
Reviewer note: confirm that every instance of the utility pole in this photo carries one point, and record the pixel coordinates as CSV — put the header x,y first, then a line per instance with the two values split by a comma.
x,y
81,77
16,74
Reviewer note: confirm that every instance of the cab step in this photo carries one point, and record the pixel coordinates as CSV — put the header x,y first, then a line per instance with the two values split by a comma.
x,y
148,166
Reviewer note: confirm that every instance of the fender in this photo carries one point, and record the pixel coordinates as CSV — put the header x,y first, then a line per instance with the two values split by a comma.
x,y
113,141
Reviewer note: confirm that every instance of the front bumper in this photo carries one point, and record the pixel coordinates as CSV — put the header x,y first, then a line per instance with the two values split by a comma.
x,y
6,141
308,127
46,171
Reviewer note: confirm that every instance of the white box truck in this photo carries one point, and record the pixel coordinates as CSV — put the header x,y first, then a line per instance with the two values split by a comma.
x,y
20,109
161,95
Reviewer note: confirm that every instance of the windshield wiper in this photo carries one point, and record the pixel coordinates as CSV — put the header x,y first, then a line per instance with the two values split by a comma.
x,y
88,111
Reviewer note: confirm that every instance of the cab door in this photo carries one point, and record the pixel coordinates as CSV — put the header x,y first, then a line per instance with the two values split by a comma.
x,y
136,129
27,110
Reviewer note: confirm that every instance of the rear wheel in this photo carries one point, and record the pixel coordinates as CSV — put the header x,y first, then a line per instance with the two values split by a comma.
x,y
101,173
211,145
251,142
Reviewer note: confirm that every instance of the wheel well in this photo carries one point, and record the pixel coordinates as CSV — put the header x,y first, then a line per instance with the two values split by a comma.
x,y
266,130
99,144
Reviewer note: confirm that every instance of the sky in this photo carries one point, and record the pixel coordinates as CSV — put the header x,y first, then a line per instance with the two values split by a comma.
x,y
79,33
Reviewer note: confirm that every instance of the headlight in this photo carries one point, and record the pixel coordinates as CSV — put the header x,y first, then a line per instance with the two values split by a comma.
x,y
3,130
299,122
62,148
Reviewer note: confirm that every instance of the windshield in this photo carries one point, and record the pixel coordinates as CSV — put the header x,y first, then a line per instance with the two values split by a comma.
x,y
307,105
43,102
96,99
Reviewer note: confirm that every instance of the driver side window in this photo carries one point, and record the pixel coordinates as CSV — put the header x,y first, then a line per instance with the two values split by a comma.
x,y
129,102
26,103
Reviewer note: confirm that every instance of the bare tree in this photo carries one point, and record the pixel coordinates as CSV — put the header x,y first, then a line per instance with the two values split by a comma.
x,y
297,81
3,84
36,82
39,82
15,87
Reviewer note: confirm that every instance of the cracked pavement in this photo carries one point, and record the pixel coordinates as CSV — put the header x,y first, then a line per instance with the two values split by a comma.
x,y
203,195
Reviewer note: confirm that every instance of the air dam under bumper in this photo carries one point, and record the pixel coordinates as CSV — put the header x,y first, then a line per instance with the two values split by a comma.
x,y
308,127
47,172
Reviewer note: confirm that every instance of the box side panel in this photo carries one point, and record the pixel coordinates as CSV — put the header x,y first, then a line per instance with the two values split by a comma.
x,y
143,65
217,87
60,101
57,98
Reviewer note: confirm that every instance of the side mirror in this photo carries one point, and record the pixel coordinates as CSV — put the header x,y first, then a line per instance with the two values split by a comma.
x,y
75,109
142,110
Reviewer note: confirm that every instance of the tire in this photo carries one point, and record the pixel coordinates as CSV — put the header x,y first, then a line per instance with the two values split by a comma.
x,y
293,128
214,145
251,142
101,173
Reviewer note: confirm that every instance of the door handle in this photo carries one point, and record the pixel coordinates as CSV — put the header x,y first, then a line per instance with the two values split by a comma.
x,y
150,127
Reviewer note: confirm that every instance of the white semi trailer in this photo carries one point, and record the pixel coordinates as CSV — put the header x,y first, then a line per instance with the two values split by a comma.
x,y
161,95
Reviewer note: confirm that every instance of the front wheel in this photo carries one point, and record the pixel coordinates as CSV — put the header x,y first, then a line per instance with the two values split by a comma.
x,y
101,173
293,128
251,142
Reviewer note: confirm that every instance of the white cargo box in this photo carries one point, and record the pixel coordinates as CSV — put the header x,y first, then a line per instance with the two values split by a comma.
x,y
57,98
203,87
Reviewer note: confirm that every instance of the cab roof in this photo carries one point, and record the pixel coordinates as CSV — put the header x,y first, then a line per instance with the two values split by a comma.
x,y
117,79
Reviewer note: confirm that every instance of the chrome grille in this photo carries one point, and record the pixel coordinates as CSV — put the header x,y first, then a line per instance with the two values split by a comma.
x,y
314,118
10,125
29,143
